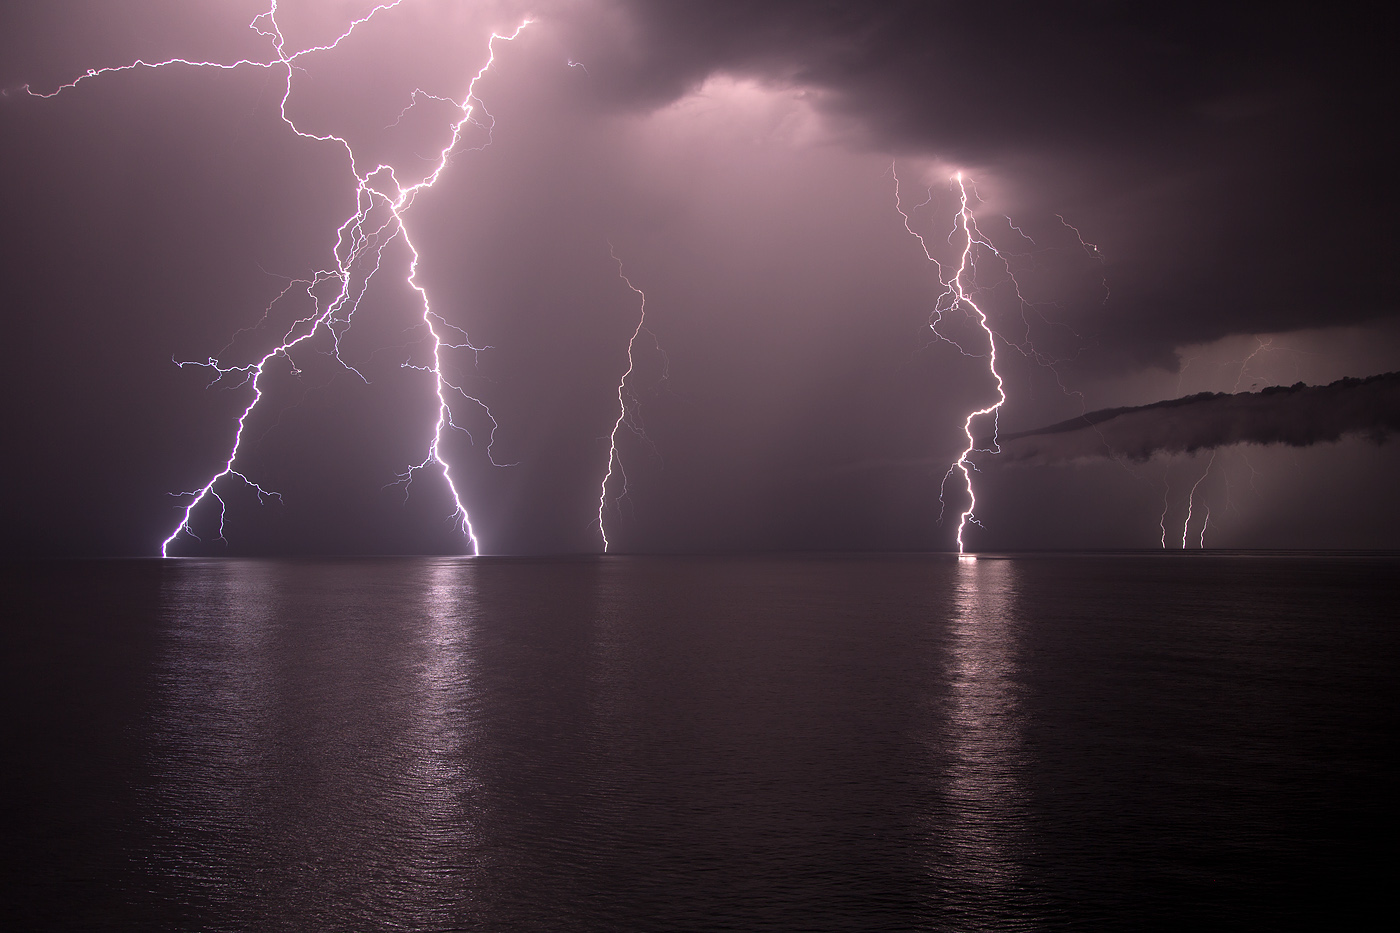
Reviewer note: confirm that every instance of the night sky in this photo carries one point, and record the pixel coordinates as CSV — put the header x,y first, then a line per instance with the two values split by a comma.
x,y
1201,202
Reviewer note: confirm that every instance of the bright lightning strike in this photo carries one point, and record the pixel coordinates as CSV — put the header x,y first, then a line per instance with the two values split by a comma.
x,y
957,294
382,200
1191,505
628,405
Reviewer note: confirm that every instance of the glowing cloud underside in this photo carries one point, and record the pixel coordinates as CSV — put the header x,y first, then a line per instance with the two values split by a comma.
x,y
383,195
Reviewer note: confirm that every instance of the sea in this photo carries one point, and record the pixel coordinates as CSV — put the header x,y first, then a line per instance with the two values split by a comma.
x,y
1105,741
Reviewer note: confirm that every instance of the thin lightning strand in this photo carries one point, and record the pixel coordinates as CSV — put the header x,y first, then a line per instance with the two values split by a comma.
x,y
358,243
264,24
1262,346
1191,503
955,294
1166,503
1091,249
626,406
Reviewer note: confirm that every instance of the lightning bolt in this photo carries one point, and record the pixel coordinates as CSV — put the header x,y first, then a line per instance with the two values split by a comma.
x,y
1090,249
382,199
628,405
970,245
1263,345
955,295
1191,504
1166,503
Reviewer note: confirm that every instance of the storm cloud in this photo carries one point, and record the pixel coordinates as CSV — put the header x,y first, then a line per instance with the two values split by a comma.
x,y
1297,416
1227,164
1218,153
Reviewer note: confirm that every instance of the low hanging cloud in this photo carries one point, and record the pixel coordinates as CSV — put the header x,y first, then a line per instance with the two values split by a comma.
x,y
1298,415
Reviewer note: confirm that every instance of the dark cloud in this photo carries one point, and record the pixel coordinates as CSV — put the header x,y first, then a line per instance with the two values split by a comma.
x,y
1229,164
1298,416
974,78
1228,157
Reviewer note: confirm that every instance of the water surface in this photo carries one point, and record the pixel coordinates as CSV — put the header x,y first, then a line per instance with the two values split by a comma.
x,y
807,743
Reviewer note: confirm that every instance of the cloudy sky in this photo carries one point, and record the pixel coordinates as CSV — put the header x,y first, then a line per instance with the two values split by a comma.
x,y
1190,199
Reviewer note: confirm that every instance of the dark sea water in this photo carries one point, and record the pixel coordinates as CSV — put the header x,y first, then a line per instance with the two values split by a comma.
x,y
648,744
